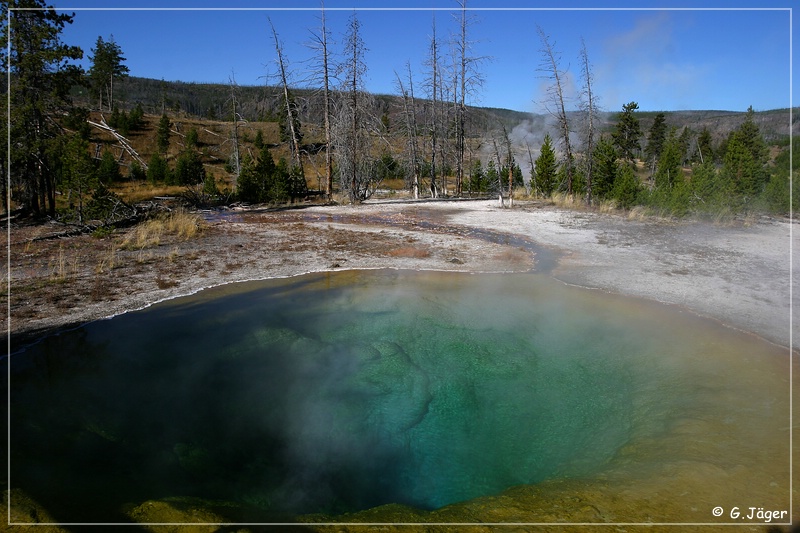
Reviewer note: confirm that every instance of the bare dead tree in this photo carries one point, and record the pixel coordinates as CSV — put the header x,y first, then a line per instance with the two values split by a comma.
x,y
589,108
354,126
550,66
434,83
410,116
289,108
469,81
510,159
323,69
236,159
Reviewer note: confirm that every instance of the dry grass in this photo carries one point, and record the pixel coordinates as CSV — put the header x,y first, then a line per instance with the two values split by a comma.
x,y
566,201
108,261
179,223
639,213
139,191
607,206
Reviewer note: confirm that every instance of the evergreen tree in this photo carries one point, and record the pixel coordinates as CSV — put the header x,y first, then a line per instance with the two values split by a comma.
x,y
108,171
705,146
79,176
157,170
668,172
477,178
606,168
162,134
40,80
684,141
136,172
191,139
107,65
546,168
627,132
626,187
709,192
655,140
745,159
189,168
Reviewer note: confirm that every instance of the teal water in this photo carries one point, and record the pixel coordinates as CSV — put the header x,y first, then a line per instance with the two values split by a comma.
x,y
344,391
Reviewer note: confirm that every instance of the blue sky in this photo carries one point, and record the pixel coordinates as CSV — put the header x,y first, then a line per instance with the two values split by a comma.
x,y
676,57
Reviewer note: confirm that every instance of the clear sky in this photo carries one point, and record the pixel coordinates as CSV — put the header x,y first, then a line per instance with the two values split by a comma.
x,y
672,58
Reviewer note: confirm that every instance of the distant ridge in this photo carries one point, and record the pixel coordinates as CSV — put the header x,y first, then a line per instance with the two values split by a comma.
x,y
213,101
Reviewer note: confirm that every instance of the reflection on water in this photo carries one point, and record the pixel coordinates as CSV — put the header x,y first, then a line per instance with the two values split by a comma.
x,y
339,392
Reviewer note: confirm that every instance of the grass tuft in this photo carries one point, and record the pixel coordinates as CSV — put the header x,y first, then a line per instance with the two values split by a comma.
x,y
150,233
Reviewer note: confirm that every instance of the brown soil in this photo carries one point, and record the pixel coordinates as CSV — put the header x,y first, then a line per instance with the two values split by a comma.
x,y
61,282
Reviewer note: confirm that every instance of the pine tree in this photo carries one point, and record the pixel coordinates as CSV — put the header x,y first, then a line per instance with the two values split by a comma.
x,y
705,146
162,134
106,66
79,177
745,159
477,178
627,132
655,140
546,168
40,80
108,172
626,187
668,172
606,168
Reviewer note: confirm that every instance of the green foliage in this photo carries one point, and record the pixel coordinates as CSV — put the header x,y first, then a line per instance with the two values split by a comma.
x,y
710,193
162,133
656,138
745,159
626,189
705,147
776,193
263,181
189,169
41,77
76,120
78,174
102,203
605,169
106,66
158,170
668,171
191,139
124,122
108,171
627,132
259,140
210,186
136,172
478,181
546,169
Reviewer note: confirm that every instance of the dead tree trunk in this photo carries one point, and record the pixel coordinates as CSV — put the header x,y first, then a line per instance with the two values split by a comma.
x,y
556,94
590,110
290,113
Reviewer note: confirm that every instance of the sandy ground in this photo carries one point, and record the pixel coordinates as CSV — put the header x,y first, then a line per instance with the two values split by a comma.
x,y
737,273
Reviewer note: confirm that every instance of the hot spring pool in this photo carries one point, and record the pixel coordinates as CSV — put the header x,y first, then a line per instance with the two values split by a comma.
x,y
333,393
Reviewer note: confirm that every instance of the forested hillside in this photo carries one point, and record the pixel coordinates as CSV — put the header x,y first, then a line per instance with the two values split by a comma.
x,y
84,143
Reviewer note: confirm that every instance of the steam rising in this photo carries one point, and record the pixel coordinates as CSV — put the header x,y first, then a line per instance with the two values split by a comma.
x,y
335,394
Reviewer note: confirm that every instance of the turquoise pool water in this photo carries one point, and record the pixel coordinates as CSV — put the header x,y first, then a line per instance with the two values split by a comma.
x,y
343,391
